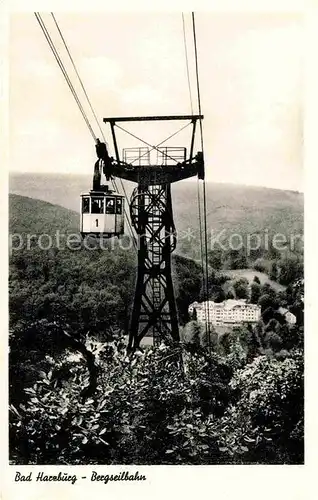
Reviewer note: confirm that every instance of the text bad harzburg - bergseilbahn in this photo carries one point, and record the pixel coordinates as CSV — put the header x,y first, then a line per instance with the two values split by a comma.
x,y
64,477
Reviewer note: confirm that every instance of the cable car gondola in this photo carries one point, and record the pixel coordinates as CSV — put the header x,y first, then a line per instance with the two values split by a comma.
x,y
102,214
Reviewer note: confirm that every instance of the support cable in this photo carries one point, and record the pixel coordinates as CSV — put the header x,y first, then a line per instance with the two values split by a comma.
x,y
73,91
198,182
204,184
201,235
78,76
62,67
98,124
187,62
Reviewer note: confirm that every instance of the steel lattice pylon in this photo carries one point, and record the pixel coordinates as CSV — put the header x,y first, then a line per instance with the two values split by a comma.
x,y
154,309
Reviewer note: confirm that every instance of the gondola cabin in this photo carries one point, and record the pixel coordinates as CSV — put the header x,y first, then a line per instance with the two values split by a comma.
x,y
102,214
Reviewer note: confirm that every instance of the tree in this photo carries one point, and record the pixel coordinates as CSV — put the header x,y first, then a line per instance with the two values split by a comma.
x,y
273,253
255,292
291,269
292,336
237,259
295,299
216,283
241,288
265,424
215,258
268,314
188,285
259,330
282,298
192,334
256,280
266,301
218,295
273,272
273,325
261,265
267,289
249,340
273,341
209,338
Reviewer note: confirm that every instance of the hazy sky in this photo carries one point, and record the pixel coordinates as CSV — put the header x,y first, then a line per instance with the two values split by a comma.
x,y
134,64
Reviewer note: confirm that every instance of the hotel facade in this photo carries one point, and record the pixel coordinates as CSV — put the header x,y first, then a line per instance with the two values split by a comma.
x,y
229,312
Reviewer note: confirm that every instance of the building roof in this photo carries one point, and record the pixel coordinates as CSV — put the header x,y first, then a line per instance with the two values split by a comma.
x,y
283,310
226,304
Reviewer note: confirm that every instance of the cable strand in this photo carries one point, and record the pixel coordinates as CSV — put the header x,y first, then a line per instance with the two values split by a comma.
x,y
95,116
204,184
78,76
187,62
73,91
62,67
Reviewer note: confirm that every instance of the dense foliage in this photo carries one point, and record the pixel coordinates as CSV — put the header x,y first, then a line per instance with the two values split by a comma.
x,y
221,410
234,396
89,290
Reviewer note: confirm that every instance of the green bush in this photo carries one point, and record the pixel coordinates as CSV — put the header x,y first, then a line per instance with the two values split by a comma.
x,y
142,412
146,410
266,422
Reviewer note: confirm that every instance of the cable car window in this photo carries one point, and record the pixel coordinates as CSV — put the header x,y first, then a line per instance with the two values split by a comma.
x,y
97,205
110,205
119,206
85,205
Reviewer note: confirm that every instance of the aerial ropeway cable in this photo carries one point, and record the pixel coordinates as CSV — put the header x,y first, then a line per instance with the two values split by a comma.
x,y
77,74
202,232
98,124
62,68
204,286
187,61
204,258
75,95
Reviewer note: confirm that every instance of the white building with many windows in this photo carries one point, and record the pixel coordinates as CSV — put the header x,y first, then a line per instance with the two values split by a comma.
x,y
225,313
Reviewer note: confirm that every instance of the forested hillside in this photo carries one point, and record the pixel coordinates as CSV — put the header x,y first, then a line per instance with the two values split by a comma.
x,y
69,280
30,216
75,396
233,208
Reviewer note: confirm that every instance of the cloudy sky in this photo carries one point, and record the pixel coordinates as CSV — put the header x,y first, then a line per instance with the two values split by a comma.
x,y
134,64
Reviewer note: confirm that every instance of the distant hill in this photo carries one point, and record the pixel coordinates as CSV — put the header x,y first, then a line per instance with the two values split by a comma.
x,y
28,216
230,208
102,269
242,209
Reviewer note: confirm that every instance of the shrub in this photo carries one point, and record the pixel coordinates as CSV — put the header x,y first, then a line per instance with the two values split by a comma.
x,y
143,412
265,424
